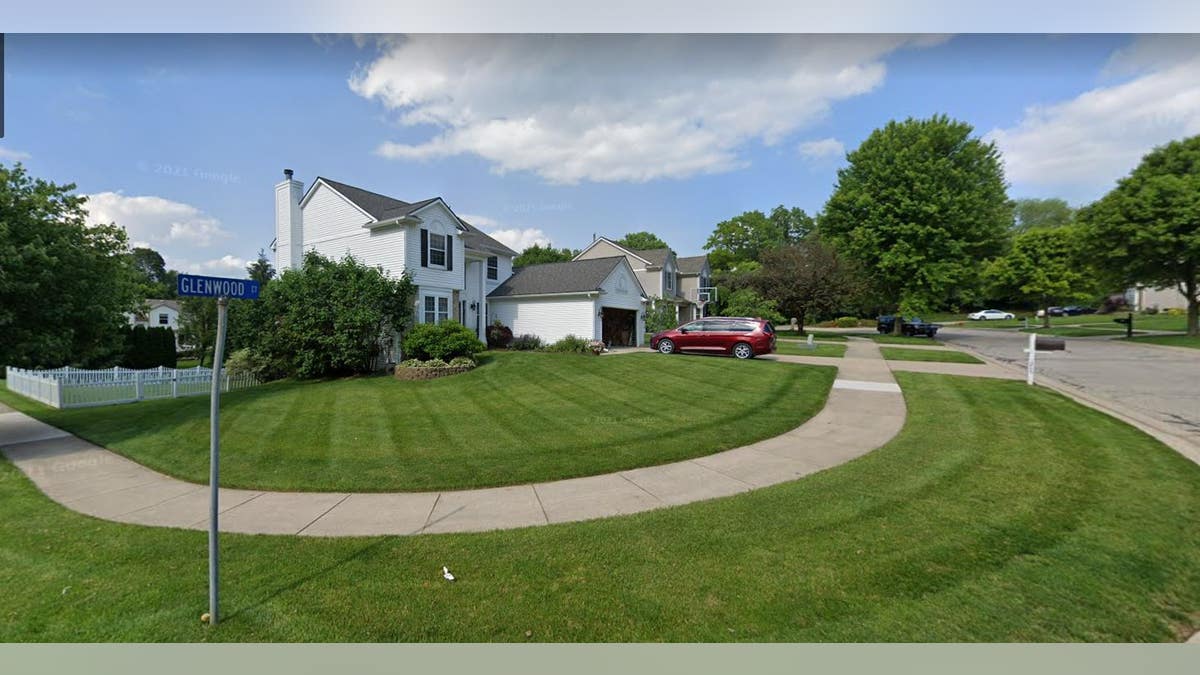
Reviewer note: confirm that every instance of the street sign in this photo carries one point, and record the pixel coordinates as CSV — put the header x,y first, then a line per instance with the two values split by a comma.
x,y
194,285
222,289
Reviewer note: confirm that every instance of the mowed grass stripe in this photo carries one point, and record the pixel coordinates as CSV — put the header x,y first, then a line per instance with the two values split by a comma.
x,y
518,418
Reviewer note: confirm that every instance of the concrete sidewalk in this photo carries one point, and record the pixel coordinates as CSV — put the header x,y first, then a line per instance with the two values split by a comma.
x,y
864,410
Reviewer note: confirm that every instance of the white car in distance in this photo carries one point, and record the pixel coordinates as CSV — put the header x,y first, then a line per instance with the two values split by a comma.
x,y
990,315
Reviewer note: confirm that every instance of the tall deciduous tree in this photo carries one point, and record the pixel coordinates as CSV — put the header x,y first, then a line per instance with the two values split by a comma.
x,y
537,255
921,207
744,238
807,279
1031,213
1043,266
1147,229
642,241
157,281
64,286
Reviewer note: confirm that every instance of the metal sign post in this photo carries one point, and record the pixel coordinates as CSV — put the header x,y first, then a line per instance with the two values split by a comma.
x,y
214,463
222,290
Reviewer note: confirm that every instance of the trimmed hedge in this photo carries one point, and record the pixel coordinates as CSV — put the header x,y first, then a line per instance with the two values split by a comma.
x,y
444,341
148,347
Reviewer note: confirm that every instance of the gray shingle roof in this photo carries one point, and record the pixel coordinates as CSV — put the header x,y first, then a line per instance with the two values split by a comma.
x,y
382,207
576,276
691,264
656,256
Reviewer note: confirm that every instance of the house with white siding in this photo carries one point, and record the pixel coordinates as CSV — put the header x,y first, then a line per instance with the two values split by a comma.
x,y
461,273
684,282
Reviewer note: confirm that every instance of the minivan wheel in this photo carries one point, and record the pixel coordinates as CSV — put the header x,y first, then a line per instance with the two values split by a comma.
x,y
666,346
742,351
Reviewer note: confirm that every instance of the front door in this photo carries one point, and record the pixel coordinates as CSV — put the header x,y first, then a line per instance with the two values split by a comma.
x,y
472,299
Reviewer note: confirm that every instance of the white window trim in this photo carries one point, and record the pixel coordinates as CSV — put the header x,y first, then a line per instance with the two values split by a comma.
x,y
429,249
436,312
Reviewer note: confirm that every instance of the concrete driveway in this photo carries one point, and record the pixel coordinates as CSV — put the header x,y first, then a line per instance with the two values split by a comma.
x,y
1159,384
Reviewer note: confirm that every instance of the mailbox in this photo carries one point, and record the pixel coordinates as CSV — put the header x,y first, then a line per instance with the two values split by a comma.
x,y
1128,323
1050,344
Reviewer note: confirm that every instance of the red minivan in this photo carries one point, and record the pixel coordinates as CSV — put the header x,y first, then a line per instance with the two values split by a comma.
x,y
741,336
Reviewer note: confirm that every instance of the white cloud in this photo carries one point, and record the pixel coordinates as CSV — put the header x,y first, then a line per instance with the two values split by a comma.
x,y
615,107
516,238
13,155
822,149
227,265
155,220
1080,147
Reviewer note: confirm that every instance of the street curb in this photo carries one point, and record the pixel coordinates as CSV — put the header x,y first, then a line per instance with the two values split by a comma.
x,y
1169,437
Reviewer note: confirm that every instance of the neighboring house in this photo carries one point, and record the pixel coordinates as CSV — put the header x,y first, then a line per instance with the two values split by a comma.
x,y
1143,297
597,299
460,273
662,274
157,313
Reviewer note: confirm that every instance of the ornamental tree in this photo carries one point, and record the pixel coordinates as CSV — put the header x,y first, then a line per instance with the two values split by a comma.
x,y
1147,229
921,208
807,279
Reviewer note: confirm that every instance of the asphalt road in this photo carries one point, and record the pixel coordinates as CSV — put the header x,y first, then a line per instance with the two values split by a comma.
x,y
1162,384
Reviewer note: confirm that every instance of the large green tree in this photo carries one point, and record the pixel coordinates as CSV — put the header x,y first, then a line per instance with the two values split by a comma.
x,y
1033,213
921,207
1043,266
807,279
156,280
198,326
537,255
65,286
642,241
330,317
1147,229
744,238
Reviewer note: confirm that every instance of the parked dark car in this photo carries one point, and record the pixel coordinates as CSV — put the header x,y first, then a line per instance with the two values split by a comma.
x,y
743,337
911,327
1076,310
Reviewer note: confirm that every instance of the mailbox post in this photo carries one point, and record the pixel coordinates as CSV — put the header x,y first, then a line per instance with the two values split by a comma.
x,y
1038,343
1128,321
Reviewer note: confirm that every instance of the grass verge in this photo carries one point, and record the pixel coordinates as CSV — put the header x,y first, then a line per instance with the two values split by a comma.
x,y
800,349
938,355
1170,340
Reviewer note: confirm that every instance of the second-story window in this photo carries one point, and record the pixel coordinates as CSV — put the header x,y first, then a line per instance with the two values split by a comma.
x,y
437,249
163,320
493,267
670,281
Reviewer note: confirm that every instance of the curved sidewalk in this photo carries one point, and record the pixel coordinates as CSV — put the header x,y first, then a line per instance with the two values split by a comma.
x,y
864,410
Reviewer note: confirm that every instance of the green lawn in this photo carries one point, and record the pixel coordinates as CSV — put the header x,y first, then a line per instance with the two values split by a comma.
x,y
899,339
799,348
817,335
1170,340
940,355
1075,331
1001,513
520,417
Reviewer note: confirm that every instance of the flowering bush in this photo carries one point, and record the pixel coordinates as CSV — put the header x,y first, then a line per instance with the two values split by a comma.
x,y
498,335
462,362
597,347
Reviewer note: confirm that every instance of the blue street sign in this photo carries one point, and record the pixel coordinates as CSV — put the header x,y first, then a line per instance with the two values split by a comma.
x,y
217,287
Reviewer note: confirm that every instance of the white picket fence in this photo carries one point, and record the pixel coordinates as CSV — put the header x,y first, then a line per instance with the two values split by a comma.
x,y
78,388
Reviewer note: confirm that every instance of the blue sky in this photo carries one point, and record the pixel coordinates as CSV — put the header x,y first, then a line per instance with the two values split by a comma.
x,y
182,138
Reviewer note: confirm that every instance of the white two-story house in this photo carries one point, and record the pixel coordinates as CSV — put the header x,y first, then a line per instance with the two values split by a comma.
x,y
461,273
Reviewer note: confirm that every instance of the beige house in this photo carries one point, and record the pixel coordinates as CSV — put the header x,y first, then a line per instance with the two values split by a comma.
x,y
685,282
1142,298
